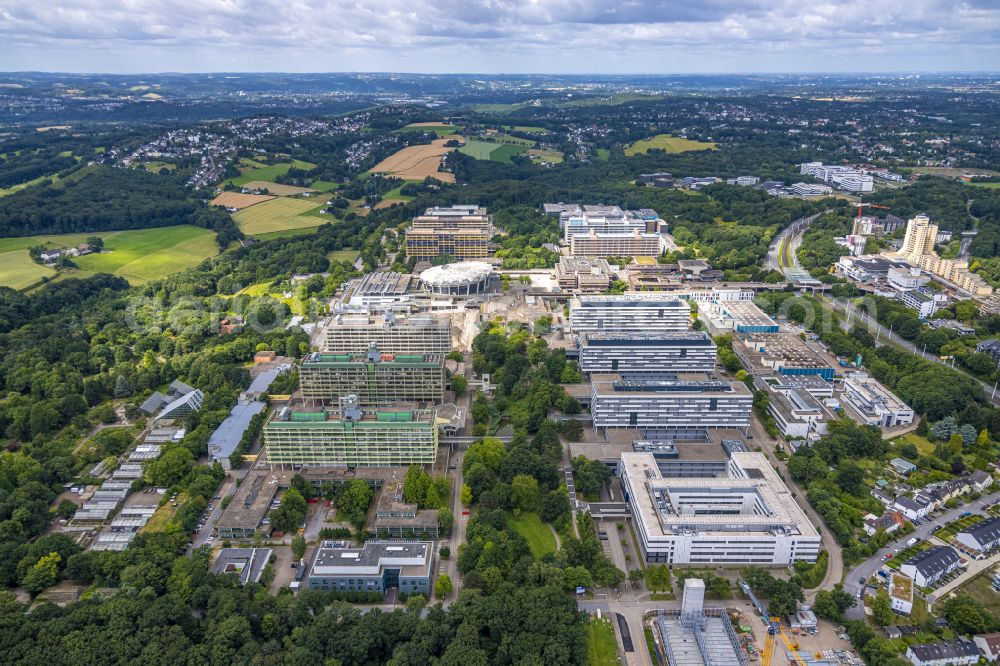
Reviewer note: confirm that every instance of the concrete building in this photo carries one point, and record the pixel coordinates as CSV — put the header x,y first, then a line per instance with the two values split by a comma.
x,y
901,594
245,514
797,414
398,519
247,563
376,378
379,289
582,275
924,301
693,599
679,406
612,221
624,244
463,232
809,190
943,653
647,353
746,517
874,403
920,238
929,566
784,353
657,179
918,249
392,333
351,437
375,567
629,313
847,178
983,536
906,279
736,316
869,267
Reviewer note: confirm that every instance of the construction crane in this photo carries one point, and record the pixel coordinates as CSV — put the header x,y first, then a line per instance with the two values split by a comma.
x,y
861,205
774,628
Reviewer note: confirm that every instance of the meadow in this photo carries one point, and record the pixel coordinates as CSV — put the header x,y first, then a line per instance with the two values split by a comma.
x,y
667,143
149,254
258,171
280,215
488,150
440,129
537,533
19,271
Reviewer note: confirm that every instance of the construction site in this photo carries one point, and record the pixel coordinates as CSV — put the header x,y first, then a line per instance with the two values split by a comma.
x,y
696,635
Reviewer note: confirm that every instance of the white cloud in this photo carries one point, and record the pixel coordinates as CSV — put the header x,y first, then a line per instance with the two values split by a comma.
x,y
500,35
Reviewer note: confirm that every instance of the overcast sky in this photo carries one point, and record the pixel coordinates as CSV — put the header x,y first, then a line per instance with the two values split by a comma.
x,y
492,36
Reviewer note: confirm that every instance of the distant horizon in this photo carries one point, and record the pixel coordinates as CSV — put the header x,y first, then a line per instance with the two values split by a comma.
x,y
942,72
585,37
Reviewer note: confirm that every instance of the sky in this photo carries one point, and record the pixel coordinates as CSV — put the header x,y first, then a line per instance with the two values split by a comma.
x,y
500,36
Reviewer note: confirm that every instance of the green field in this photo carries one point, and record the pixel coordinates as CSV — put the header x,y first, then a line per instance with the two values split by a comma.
x,y
287,233
280,214
20,186
156,166
981,589
395,195
19,271
603,154
524,128
991,186
440,130
545,156
487,150
667,143
268,172
324,185
149,254
539,536
602,646
343,255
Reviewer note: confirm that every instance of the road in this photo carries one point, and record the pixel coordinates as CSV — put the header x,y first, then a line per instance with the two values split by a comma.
x,y
886,336
868,568
227,488
781,256
835,563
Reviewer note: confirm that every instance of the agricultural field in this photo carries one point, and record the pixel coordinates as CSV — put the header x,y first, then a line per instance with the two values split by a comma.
x,y
495,152
417,162
525,128
324,185
277,188
239,200
535,531
667,143
253,170
279,215
441,129
142,255
19,271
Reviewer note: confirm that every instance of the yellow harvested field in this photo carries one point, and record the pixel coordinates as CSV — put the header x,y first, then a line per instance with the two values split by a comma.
x,y
418,162
277,188
239,200
389,203
281,214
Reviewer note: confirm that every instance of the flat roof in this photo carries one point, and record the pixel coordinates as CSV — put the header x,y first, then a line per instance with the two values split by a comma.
x,y
667,384
250,503
667,339
247,563
651,493
337,558
334,360
227,436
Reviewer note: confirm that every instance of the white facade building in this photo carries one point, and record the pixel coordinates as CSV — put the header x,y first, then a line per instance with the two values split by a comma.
x,y
874,403
747,517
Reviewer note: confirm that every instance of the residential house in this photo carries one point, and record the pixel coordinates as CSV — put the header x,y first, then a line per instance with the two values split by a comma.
x,y
956,653
883,497
911,508
901,594
981,480
929,566
989,646
983,536
890,522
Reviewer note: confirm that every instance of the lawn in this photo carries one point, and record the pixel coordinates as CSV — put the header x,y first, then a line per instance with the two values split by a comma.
x,y
602,646
158,521
149,254
603,154
924,445
268,172
539,536
19,271
288,233
343,255
670,144
953,528
550,156
278,215
156,166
